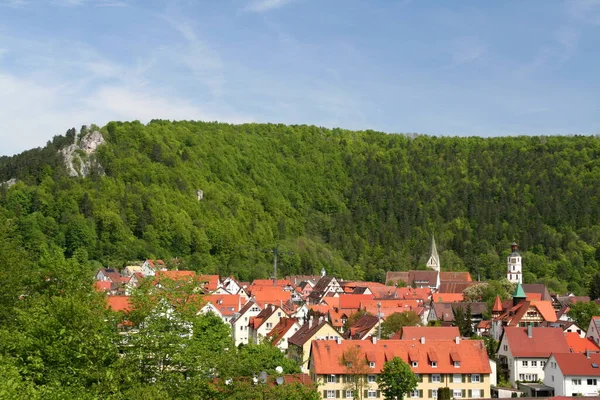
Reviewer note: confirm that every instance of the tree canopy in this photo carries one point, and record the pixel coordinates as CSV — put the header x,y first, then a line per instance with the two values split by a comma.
x,y
355,203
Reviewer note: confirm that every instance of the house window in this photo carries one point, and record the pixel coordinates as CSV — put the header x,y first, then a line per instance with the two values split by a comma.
x,y
475,378
331,379
552,378
414,364
434,393
505,347
371,378
279,313
331,394
434,364
349,394
534,363
269,325
528,377
525,363
414,394
456,364
371,364
476,393
553,365
372,394
576,381
592,382
457,393
456,378
436,378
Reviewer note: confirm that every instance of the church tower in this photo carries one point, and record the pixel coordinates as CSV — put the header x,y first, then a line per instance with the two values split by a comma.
x,y
514,273
434,258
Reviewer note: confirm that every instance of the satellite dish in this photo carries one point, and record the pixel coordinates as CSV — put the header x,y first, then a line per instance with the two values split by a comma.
x,y
279,370
254,380
228,382
279,380
262,377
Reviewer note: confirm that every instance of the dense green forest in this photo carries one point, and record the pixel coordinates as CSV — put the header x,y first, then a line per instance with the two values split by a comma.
x,y
355,203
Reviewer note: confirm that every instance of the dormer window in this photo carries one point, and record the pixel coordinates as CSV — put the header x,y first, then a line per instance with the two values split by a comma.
x,y
434,364
371,364
414,364
456,364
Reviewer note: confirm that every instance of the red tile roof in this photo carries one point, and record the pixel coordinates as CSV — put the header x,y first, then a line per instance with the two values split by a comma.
x,y
543,341
430,332
578,364
578,344
227,304
102,286
353,301
326,355
119,303
279,330
447,297
211,282
497,304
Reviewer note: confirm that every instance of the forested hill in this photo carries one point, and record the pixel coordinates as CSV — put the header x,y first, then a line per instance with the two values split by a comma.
x,y
355,203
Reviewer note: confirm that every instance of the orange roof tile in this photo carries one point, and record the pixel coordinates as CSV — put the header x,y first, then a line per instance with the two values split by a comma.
x,y
545,309
430,332
578,344
353,301
326,355
119,303
534,296
447,297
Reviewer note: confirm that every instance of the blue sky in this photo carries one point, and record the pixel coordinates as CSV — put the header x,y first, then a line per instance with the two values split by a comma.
x,y
484,68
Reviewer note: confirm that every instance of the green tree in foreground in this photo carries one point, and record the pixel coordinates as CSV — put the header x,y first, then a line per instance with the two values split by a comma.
x,y
396,321
396,379
582,312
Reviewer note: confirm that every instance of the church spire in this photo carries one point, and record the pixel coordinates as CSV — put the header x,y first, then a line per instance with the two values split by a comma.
x,y
434,258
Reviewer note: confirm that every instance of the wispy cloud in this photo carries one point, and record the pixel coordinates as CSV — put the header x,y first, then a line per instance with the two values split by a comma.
x,y
587,11
554,55
465,50
261,6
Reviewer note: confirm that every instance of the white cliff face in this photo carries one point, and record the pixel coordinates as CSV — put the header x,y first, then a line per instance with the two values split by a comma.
x,y
80,157
9,183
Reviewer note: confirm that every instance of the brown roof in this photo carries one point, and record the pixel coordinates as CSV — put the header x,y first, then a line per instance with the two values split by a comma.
x,y
455,287
477,307
578,364
444,312
429,277
455,276
537,288
542,342
307,331
361,327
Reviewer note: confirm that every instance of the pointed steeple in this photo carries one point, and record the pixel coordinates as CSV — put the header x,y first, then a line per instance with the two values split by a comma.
x,y
519,294
434,258
497,305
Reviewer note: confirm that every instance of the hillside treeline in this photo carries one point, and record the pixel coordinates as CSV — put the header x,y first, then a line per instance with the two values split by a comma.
x,y
355,203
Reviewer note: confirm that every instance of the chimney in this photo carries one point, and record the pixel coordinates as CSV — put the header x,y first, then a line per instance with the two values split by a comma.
x,y
457,340
587,354
310,322
374,339
529,331
422,339
339,340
